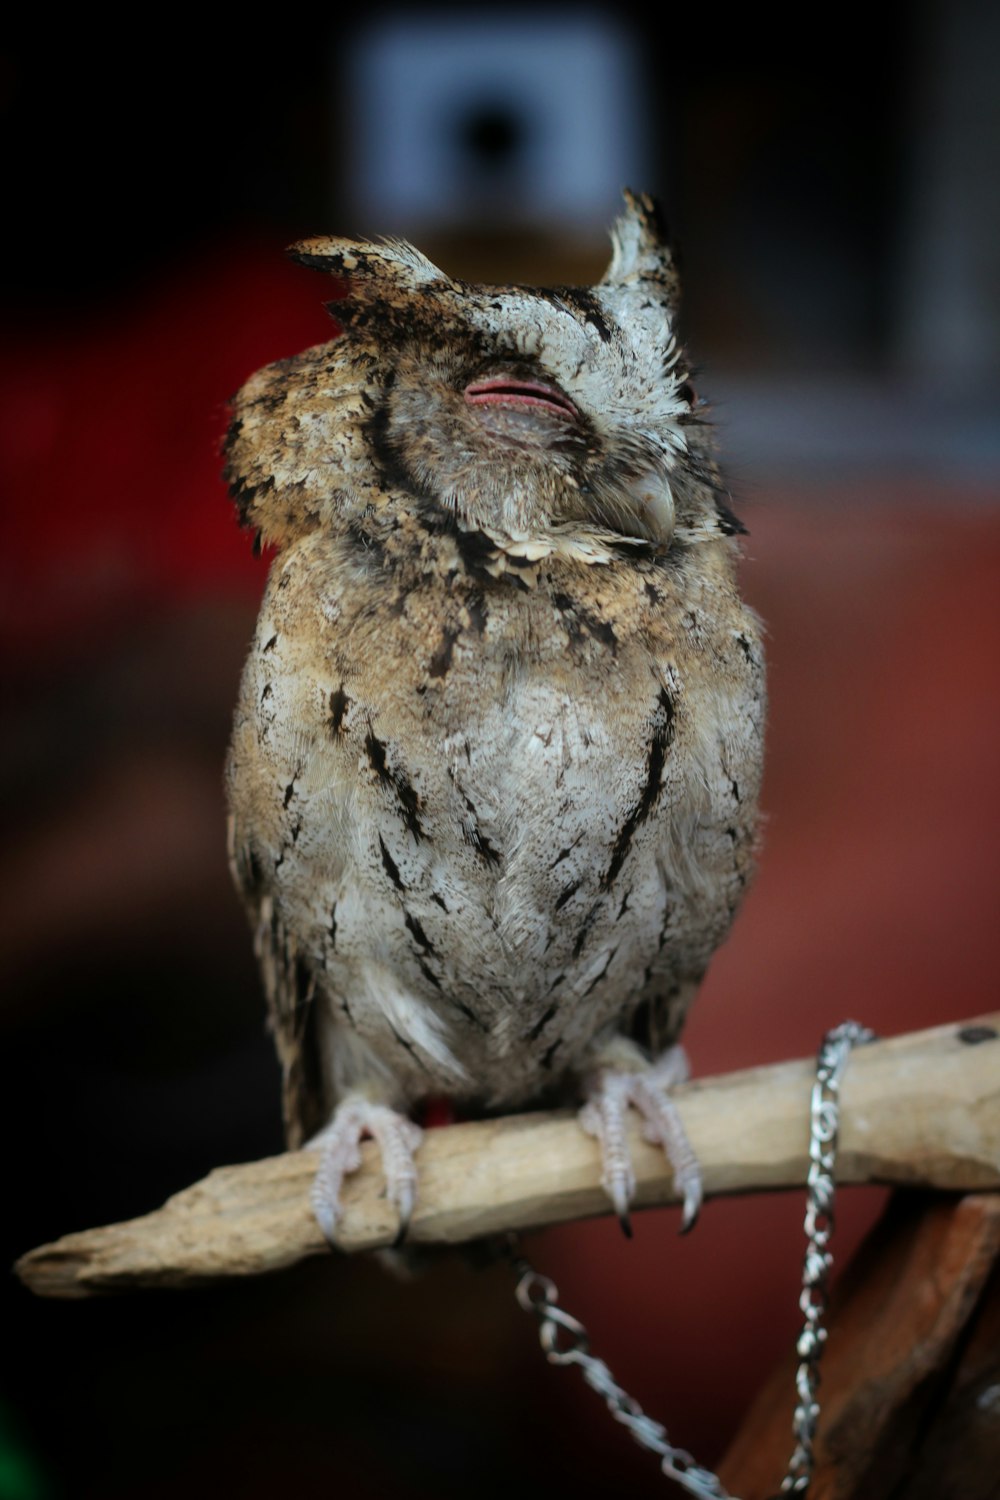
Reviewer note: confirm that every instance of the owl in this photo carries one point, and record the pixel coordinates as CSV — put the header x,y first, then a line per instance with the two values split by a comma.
x,y
494,772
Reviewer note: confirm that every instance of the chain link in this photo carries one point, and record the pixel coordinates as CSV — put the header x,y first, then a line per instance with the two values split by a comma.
x,y
565,1342
824,1113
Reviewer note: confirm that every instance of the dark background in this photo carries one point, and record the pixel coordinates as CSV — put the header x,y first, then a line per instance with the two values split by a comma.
x,y
833,194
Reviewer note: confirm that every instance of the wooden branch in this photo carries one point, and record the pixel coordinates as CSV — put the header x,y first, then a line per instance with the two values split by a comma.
x,y
922,1109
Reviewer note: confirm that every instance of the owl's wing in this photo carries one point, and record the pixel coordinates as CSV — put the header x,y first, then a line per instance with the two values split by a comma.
x,y
701,822
290,991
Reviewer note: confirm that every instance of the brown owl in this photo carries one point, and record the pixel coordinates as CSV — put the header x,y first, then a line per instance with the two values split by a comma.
x,y
495,766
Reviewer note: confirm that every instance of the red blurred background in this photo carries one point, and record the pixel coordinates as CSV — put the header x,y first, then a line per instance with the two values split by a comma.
x,y
822,214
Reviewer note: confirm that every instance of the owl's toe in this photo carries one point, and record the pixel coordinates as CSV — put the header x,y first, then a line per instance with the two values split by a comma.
x,y
610,1094
339,1144
604,1116
663,1126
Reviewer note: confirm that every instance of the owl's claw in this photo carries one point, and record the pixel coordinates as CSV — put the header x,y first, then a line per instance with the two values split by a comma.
x,y
404,1197
604,1115
340,1143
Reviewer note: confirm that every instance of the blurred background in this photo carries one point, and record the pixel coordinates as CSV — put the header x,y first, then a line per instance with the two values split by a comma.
x,y
833,195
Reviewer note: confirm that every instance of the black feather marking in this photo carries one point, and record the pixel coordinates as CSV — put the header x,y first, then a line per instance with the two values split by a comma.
x,y
656,758
588,922
631,550
541,1024
602,629
565,895
475,549
565,853
245,492
339,704
331,263
567,608
476,605
404,1042
598,977
471,831
441,660
254,885
413,924
428,973
397,782
729,523
578,620
391,468
390,866
586,303
482,846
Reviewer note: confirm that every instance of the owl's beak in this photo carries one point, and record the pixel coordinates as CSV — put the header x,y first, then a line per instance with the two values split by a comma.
x,y
655,504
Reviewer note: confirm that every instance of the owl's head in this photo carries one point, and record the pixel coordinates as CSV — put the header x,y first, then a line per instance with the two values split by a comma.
x,y
520,411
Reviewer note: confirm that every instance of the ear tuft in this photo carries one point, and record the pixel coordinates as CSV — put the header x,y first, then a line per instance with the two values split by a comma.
x,y
642,253
366,263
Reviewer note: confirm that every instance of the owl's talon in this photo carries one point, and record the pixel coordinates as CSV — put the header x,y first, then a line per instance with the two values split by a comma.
x,y
397,1139
610,1094
692,1207
404,1200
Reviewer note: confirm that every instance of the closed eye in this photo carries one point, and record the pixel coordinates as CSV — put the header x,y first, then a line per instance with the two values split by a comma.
x,y
520,393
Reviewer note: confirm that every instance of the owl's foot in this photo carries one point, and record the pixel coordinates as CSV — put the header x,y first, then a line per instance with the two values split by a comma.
x,y
609,1094
340,1142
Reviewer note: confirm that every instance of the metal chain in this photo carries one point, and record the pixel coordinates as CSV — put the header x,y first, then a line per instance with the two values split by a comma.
x,y
824,1118
565,1342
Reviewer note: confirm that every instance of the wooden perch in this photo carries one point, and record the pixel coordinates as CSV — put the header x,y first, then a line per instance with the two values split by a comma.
x,y
921,1109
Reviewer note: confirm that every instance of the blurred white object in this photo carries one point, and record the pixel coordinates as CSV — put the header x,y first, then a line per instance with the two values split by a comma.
x,y
451,121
